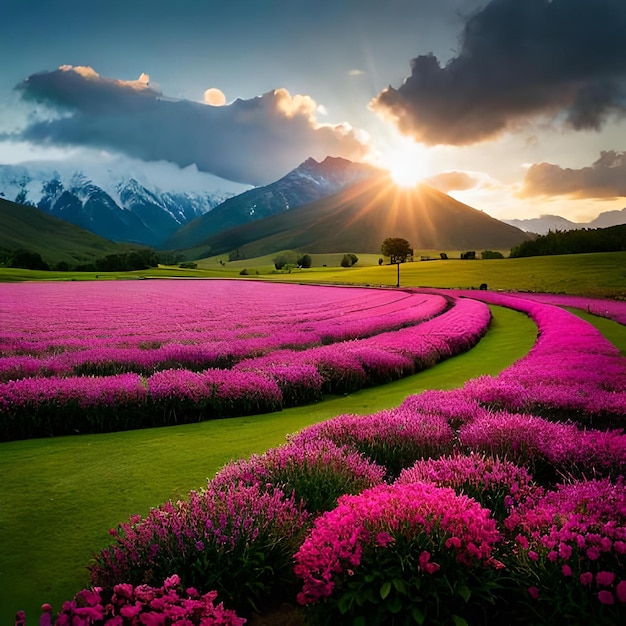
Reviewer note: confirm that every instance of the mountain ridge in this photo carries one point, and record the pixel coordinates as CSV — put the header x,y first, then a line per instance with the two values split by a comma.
x,y
544,223
359,217
310,181
119,207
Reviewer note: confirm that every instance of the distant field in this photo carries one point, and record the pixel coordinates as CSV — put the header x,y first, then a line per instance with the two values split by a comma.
x,y
596,274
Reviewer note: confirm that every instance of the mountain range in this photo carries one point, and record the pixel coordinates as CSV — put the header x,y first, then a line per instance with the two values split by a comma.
x,y
117,207
545,223
328,206
308,182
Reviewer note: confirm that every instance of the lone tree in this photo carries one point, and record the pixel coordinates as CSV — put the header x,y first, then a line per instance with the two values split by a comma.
x,y
397,249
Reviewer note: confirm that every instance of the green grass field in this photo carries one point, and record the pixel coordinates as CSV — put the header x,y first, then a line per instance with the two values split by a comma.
x,y
596,274
59,497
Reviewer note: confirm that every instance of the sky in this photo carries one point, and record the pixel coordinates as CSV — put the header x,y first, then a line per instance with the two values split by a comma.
x,y
516,107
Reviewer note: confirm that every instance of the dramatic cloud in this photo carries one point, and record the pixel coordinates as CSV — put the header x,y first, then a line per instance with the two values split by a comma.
x,y
453,181
517,59
252,141
606,178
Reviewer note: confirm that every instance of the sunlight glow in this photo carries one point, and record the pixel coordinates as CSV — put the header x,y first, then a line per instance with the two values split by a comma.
x,y
406,161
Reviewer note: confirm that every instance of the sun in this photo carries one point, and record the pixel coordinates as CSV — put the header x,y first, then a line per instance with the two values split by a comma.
x,y
406,161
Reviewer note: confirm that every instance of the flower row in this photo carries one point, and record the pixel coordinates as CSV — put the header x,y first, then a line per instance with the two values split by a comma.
x,y
32,407
43,323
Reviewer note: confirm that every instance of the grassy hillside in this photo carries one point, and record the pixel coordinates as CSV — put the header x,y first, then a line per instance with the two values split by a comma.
x,y
55,240
594,274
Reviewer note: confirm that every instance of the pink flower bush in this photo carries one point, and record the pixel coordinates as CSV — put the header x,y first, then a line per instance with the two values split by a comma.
x,y
415,533
495,484
546,448
573,541
147,606
238,541
393,439
316,472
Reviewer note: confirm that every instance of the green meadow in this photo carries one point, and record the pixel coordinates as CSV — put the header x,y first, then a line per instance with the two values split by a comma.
x,y
601,274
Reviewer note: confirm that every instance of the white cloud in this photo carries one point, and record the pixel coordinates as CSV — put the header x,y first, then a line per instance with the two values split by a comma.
x,y
255,141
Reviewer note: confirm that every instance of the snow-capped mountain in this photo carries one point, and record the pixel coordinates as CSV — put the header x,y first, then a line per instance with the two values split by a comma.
x,y
120,203
308,182
542,225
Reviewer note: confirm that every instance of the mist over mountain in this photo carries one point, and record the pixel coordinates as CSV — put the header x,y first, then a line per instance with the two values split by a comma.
x,y
546,223
116,203
308,182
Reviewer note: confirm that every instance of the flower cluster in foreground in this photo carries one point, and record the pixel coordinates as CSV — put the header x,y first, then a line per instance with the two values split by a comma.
x,y
147,606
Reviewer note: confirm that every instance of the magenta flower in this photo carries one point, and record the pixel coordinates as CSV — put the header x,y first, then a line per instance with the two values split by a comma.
x,y
606,597
419,512
605,579
620,590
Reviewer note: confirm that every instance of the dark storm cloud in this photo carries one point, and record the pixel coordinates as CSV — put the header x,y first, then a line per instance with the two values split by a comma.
x,y
606,178
254,141
517,59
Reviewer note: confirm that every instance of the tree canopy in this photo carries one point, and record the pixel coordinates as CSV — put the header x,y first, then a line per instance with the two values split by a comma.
x,y
397,249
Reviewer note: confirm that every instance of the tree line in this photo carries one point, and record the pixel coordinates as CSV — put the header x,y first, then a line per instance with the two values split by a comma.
x,y
612,239
121,262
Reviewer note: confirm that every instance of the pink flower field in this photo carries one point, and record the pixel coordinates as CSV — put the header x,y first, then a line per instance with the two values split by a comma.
x,y
97,357
501,502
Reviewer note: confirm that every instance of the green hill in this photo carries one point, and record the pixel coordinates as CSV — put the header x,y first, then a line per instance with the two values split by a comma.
x,y
25,227
361,216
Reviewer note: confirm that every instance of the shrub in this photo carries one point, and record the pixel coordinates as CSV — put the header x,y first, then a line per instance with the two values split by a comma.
x,y
305,261
548,449
287,258
494,483
238,541
394,439
348,260
146,605
491,254
416,552
569,554
316,472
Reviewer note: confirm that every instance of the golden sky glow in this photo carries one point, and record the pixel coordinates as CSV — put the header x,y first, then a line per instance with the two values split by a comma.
x,y
406,161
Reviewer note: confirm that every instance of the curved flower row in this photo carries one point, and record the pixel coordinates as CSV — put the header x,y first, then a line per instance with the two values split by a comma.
x,y
199,324
572,372
54,405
